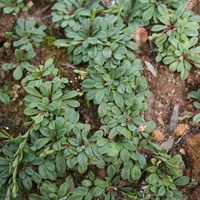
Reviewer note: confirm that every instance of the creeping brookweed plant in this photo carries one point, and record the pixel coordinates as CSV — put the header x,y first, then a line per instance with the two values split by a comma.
x,y
67,159
27,34
15,6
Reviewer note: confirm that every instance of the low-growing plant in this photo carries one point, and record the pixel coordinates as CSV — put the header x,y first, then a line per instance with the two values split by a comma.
x,y
99,39
66,159
27,33
148,10
15,6
4,97
175,36
21,64
37,74
196,95
195,115
182,56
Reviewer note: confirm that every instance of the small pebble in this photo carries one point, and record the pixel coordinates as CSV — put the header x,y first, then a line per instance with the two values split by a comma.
x,y
182,151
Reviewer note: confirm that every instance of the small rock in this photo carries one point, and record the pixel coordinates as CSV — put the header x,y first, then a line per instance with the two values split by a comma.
x,y
181,129
182,165
174,118
168,143
159,136
151,68
182,151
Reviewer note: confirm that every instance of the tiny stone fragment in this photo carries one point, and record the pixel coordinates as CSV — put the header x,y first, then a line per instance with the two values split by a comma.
x,y
182,151
159,136
174,118
181,129
168,143
150,67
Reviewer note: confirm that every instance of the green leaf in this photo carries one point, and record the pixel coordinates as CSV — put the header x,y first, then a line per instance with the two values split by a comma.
x,y
92,40
18,54
112,151
181,181
8,66
4,162
111,171
177,159
8,10
184,74
168,60
102,142
60,164
119,100
173,66
148,13
136,173
82,159
18,73
163,10
92,52
196,118
161,191
196,105
39,143
102,110
120,71
132,45
4,98
27,183
124,131
30,55
48,63
153,178
124,155
69,95
33,91
107,53
76,196
98,191
125,173
160,39
73,141
191,32
99,96
157,28
62,191
164,20
99,59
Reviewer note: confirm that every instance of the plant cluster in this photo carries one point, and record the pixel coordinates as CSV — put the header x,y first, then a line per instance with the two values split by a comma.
x,y
27,34
196,95
175,34
15,6
57,146
195,115
4,97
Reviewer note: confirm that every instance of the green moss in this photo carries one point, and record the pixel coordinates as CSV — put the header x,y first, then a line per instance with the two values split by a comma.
x,y
49,41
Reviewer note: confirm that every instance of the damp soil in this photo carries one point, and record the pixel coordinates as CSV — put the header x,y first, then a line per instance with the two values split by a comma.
x,y
168,91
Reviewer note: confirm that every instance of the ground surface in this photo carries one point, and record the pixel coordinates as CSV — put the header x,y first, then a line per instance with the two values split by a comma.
x,y
167,88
